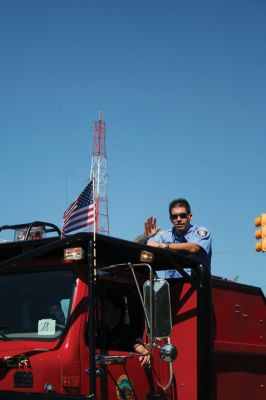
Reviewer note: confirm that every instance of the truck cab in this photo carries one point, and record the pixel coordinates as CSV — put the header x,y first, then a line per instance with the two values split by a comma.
x,y
205,336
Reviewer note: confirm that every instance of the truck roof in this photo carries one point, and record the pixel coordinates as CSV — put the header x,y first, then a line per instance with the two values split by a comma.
x,y
114,249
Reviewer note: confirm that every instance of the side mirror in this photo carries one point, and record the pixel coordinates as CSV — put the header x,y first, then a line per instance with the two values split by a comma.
x,y
158,308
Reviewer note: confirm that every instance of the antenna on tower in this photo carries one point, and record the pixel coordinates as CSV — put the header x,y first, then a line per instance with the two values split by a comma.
x,y
98,172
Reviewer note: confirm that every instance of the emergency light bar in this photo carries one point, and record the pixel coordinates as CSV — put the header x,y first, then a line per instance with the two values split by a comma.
x,y
35,230
36,233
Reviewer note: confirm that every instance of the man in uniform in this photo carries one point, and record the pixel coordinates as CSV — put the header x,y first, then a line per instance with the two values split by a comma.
x,y
183,236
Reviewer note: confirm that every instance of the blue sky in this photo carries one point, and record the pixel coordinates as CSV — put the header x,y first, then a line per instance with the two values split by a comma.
x,y
183,89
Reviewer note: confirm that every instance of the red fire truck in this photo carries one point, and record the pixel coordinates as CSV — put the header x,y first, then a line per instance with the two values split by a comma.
x,y
206,336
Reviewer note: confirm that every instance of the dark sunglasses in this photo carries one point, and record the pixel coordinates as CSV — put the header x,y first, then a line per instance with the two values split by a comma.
x,y
181,215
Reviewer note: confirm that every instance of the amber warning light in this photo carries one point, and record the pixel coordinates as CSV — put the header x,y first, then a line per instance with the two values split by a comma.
x,y
73,254
261,233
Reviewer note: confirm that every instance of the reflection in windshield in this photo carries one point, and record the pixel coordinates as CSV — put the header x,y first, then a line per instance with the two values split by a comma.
x,y
35,304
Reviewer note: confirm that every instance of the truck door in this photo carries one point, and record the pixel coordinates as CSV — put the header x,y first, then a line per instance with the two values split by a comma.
x,y
120,325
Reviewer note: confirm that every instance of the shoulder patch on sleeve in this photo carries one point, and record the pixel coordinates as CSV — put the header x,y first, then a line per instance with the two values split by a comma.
x,y
202,232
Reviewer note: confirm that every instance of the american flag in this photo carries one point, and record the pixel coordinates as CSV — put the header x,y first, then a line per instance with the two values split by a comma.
x,y
81,211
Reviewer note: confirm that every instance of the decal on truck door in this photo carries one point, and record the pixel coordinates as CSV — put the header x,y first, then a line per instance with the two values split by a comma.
x,y
124,389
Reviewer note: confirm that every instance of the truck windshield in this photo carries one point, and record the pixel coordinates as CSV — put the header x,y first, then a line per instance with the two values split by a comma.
x,y
35,304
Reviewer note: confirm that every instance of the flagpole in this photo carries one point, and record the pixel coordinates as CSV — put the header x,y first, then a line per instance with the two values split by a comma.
x,y
94,227
92,284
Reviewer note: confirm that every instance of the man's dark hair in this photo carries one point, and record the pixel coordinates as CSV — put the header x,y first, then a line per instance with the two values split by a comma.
x,y
179,203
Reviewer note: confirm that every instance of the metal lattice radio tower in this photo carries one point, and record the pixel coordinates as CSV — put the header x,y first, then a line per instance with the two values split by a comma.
x,y
98,172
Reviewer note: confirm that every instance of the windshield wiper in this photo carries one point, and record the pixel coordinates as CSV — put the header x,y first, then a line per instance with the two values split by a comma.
x,y
2,335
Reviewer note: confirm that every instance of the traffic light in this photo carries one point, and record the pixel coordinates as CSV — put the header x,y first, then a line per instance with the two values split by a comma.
x,y
261,233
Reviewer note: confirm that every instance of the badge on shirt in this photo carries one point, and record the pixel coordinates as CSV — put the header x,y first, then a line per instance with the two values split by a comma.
x,y
202,232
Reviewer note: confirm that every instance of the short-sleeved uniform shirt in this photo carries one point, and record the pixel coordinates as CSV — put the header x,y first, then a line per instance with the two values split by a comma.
x,y
199,235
